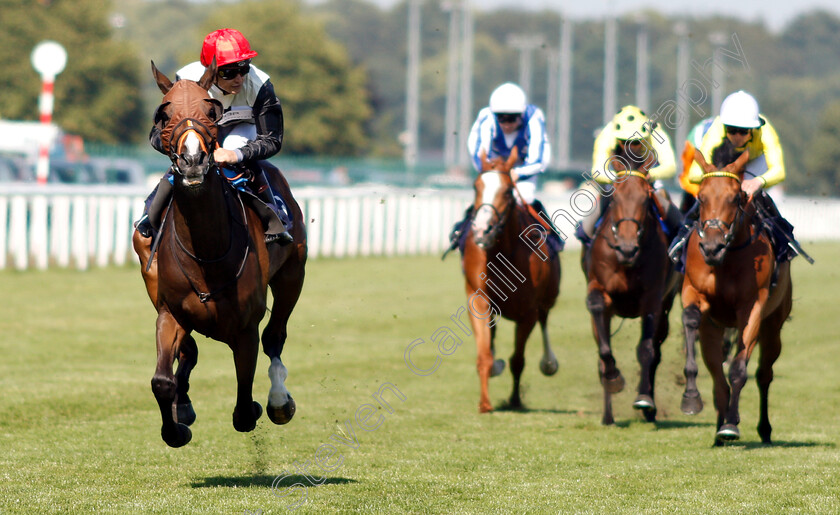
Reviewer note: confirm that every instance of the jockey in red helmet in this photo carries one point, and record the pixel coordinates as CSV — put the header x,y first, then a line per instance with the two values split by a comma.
x,y
250,130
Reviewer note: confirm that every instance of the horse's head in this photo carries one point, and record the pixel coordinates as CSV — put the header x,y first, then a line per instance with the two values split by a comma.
x,y
722,202
187,119
628,213
493,198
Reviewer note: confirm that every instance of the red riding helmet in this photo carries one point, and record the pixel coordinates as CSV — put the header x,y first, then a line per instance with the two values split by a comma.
x,y
228,45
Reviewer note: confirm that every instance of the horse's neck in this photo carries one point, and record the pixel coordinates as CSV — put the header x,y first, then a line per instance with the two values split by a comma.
x,y
202,218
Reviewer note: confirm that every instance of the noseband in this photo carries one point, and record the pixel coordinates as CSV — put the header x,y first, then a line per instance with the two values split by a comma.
x,y
180,132
640,226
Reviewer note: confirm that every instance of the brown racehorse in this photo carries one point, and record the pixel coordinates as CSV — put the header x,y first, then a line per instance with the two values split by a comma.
x,y
212,269
630,275
732,280
507,275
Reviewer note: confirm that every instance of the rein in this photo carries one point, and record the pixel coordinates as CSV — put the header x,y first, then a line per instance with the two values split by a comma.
x,y
639,223
205,296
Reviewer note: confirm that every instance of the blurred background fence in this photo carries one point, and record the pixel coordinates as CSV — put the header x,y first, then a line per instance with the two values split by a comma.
x,y
81,226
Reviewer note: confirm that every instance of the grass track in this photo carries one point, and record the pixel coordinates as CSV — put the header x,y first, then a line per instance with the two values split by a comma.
x,y
79,428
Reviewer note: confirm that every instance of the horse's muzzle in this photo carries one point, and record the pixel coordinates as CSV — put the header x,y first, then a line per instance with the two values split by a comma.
x,y
713,250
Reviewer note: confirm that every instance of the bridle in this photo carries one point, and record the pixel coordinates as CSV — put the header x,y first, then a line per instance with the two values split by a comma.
x,y
501,217
728,229
640,225
179,134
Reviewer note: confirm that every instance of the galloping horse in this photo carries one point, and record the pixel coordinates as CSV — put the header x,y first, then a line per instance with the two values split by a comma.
x,y
732,280
212,268
630,275
495,249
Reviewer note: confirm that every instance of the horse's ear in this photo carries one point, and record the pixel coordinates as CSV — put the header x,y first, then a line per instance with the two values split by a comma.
x,y
162,80
698,157
482,156
215,109
512,158
618,164
209,76
738,165
649,161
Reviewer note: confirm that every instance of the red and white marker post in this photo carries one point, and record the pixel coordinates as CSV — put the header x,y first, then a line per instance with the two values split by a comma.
x,y
48,59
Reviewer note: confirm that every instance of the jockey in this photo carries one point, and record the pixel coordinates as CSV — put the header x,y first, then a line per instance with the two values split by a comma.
x,y
741,125
250,130
510,121
630,136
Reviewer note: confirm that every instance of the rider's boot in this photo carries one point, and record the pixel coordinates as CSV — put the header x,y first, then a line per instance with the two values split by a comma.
x,y
275,228
554,235
155,202
676,249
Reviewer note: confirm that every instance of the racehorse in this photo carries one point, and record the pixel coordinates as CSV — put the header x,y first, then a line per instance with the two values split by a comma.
x,y
212,268
630,275
508,271
732,279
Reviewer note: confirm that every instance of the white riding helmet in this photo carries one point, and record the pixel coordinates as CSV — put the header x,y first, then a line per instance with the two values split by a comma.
x,y
740,109
508,98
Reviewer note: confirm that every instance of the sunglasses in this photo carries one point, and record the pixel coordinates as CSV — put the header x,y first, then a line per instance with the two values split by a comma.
x,y
241,68
508,118
737,130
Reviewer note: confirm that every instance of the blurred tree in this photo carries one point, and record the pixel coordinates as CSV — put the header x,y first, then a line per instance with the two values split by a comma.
x,y
324,99
96,96
823,160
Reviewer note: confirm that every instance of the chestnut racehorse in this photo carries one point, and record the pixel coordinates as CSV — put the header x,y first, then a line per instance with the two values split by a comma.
x,y
212,269
630,275
732,280
509,271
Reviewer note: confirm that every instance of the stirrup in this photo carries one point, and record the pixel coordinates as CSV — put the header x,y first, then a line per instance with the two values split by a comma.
x,y
144,226
282,239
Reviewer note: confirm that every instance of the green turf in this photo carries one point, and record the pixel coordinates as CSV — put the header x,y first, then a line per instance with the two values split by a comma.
x,y
79,427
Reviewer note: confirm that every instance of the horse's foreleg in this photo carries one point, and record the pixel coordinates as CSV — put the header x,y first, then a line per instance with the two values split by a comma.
x,y
692,402
247,411
548,363
517,359
498,363
169,335
611,378
187,358
648,355
484,353
738,367
711,340
285,290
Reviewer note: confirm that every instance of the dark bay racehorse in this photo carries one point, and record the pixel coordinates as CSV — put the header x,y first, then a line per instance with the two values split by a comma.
x,y
732,280
629,275
212,269
506,276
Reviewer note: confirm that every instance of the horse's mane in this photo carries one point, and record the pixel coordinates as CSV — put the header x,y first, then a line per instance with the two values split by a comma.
x,y
725,154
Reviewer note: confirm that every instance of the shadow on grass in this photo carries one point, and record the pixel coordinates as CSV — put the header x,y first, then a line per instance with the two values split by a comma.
x,y
679,424
749,446
506,407
266,481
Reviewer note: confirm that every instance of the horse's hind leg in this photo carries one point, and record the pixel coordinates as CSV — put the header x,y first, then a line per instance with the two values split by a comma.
x,y
169,335
548,363
286,290
245,350
187,358
517,359
771,346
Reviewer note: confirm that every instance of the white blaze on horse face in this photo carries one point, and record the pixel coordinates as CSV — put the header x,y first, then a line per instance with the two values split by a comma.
x,y
191,150
278,395
484,216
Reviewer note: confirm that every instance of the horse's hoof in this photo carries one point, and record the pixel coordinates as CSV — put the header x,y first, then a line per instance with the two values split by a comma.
x,y
485,408
186,414
549,367
179,435
644,402
282,414
692,404
728,433
613,385
497,368
247,424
